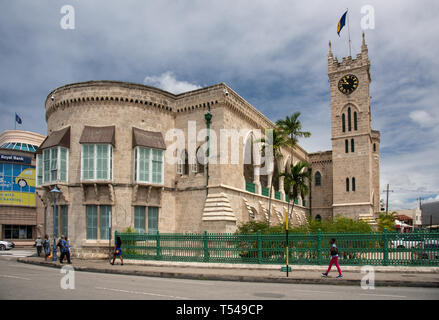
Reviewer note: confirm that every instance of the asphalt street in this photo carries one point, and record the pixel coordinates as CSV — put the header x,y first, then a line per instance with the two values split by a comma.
x,y
24,281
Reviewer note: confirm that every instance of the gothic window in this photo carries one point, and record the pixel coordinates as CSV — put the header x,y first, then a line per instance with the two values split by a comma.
x,y
346,146
353,184
248,160
352,145
343,122
347,184
349,119
183,163
318,179
355,121
374,147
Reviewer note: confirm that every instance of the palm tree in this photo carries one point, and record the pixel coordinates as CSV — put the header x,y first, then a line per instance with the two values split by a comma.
x,y
292,127
279,140
286,134
297,182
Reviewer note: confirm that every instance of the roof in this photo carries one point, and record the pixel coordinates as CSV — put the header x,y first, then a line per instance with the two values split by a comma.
x,y
98,135
403,217
148,139
57,138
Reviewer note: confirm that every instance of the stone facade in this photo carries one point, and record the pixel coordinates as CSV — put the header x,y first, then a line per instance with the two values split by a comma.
x,y
217,196
352,166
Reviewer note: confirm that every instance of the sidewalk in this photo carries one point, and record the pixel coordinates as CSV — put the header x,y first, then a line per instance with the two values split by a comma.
x,y
384,276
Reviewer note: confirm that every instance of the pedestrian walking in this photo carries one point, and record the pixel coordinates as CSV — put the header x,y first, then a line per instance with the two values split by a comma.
x,y
39,245
67,248
117,251
334,259
46,247
63,249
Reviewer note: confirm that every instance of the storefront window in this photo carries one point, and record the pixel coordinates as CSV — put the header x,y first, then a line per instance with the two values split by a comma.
x,y
17,232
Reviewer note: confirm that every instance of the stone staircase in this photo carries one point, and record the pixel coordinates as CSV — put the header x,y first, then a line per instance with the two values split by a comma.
x,y
217,208
370,219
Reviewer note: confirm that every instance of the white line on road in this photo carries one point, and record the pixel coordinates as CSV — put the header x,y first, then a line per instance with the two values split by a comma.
x,y
144,293
14,277
381,295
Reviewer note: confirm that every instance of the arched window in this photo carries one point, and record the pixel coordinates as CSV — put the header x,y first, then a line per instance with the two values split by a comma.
x,y
343,122
374,147
318,217
346,146
352,145
200,159
318,179
347,184
353,184
349,119
183,163
248,160
355,121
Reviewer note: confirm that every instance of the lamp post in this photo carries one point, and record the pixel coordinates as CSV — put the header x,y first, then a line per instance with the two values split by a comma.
x,y
55,192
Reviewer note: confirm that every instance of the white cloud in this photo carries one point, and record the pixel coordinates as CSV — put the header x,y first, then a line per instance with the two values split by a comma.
x,y
167,81
423,118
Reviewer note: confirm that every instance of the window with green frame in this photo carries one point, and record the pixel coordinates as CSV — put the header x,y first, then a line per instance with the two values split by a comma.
x,y
139,219
97,162
148,165
153,220
98,222
52,165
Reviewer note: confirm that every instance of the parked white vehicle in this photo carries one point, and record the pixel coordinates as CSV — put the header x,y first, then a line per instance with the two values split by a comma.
x,y
406,243
6,245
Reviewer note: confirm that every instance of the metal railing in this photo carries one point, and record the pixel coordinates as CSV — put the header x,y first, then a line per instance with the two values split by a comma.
x,y
414,249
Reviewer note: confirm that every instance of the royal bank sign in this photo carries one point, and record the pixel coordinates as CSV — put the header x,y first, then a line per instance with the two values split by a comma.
x,y
14,158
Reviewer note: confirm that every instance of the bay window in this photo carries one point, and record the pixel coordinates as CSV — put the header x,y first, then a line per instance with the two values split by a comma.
x,y
97,162
148,165
52,165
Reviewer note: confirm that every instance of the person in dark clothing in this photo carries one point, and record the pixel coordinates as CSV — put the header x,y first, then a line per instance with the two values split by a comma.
x,y
46,246
117,251
64,250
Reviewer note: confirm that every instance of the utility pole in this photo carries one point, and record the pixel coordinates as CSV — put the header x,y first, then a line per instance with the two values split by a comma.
x,y
387,198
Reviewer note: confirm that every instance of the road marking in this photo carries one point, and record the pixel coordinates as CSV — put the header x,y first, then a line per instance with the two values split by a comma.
x,y
144,293
381,295
14,277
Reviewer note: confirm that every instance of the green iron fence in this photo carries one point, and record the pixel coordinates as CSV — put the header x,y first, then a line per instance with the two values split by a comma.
x,y
414,249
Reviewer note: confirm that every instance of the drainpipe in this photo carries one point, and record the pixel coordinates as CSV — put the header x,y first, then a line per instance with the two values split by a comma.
x,y
208,117
310,193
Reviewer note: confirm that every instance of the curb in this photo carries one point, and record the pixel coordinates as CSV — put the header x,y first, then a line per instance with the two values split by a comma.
x,y
213,277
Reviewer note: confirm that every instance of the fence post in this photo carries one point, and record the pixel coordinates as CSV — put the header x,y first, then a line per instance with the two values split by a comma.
x,y
206,247
158,246
319,247
259,246
385,248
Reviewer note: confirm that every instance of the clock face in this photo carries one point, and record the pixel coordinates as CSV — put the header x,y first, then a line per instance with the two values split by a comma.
x,y
348,84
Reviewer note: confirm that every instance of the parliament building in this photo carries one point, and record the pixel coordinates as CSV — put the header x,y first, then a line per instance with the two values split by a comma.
x,y
109,143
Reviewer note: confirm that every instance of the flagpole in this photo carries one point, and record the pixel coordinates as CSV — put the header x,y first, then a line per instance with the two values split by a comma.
x,y
349,33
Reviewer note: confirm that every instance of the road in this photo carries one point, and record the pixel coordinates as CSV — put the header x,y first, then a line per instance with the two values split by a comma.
x,y
24,281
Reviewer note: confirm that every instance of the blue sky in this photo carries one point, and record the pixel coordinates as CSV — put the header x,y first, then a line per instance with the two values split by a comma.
x,y
272,53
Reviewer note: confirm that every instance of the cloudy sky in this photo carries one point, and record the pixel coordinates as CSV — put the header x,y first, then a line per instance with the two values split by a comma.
x,y
272,52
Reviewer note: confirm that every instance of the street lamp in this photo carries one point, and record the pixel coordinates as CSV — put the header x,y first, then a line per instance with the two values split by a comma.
x,y
55,193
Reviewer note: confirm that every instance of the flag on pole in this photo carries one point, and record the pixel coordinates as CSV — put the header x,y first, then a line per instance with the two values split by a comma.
x,y
18,119
341,23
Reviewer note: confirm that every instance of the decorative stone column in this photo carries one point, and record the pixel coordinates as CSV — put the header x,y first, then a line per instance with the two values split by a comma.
x,y
281,188
257,181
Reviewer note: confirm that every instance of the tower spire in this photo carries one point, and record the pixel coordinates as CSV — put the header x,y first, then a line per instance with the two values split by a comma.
x,y
330,51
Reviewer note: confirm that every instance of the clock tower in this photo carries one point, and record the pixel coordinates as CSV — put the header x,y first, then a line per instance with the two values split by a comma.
x,y
355,146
